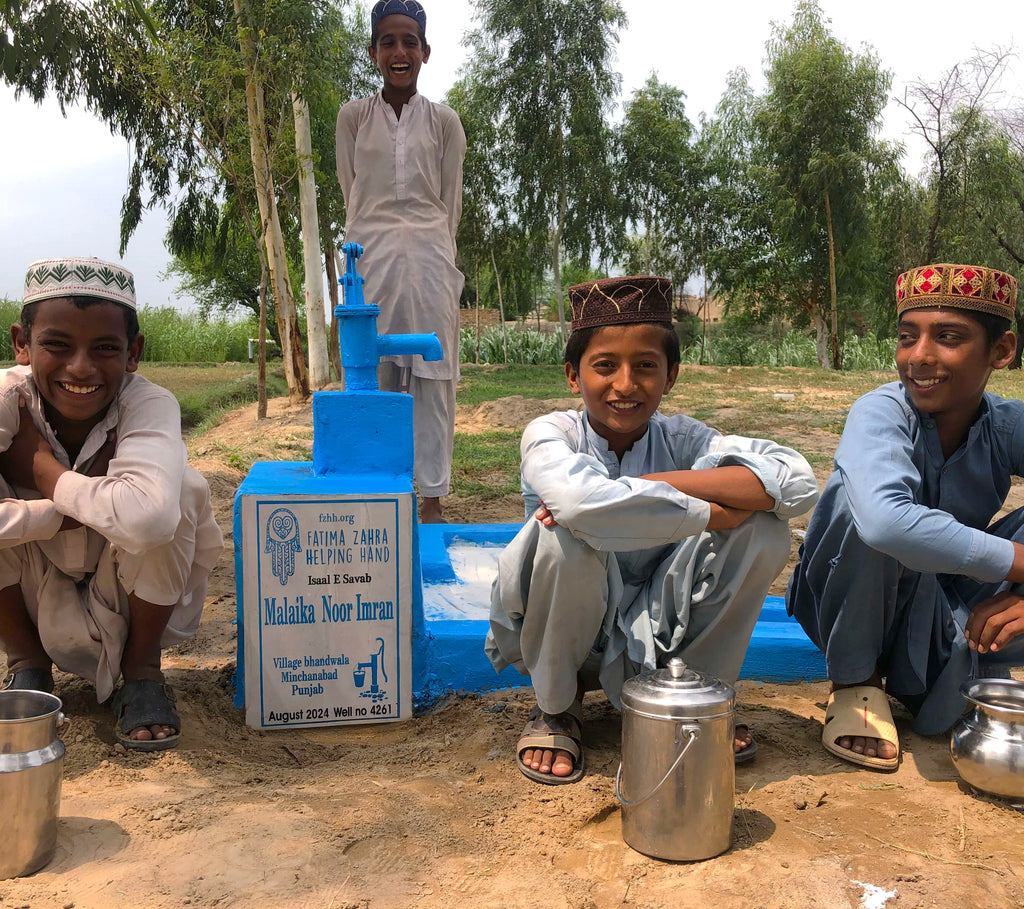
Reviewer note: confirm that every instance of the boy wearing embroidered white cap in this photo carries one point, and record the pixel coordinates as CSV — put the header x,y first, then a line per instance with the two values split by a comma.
x,y
107,536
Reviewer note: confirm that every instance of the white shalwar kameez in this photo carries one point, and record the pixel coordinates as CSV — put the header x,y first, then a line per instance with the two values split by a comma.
x,y
402,182
148,529
630,577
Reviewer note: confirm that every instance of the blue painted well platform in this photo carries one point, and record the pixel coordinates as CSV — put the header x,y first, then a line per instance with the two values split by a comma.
x,y
363,454
458,563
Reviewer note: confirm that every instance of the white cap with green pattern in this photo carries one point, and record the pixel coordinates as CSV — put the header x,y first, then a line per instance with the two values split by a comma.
x,y
77,277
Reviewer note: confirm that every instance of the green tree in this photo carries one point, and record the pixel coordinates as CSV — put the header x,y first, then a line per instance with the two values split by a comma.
x,y
656,183
747,260
816,126
944,114
546,66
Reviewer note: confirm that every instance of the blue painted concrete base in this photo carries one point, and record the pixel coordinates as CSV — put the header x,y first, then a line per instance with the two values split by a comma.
x,y
449,650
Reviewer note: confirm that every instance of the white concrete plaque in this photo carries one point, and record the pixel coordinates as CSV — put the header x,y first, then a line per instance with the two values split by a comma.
x,y
328,609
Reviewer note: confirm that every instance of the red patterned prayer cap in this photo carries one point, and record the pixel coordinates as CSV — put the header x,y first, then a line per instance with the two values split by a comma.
x,y
616,301
959,286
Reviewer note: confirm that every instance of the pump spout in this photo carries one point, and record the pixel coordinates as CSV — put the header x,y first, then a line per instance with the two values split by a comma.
x,y
361,346
427,346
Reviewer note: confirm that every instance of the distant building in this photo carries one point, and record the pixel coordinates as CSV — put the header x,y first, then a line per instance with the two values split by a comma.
x,y
690,304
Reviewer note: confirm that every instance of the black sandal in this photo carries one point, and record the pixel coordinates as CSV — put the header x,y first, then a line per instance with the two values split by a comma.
x,y
145,703
29,680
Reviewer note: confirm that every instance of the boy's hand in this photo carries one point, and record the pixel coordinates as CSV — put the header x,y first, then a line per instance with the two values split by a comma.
x,y
995,622
17,462
544,516
725,518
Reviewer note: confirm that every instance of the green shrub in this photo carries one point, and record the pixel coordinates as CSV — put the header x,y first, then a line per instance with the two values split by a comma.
x,y
527,347
177,337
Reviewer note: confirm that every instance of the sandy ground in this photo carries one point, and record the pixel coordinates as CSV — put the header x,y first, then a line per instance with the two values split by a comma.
x,y
433,813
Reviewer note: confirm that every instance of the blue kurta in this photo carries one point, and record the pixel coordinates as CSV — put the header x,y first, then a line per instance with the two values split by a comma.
x,y
900,548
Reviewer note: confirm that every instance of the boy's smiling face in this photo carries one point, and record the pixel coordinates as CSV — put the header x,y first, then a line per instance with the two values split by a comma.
x,y
623,375
944,361
79,358
398,54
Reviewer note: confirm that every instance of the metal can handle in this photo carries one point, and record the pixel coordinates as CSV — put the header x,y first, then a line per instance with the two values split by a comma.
x,y
694,735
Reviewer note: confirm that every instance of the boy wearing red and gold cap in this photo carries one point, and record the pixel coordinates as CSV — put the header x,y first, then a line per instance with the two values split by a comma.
x,y
903,582
647,536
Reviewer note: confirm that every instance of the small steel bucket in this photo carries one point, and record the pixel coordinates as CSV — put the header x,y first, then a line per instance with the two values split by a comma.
x,y
677,779
31,762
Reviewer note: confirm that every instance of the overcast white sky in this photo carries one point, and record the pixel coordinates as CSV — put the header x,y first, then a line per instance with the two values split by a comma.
x,y
61,180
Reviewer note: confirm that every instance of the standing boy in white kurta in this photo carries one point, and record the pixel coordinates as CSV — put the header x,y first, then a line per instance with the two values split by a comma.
x,y
399,162
647,536
107,536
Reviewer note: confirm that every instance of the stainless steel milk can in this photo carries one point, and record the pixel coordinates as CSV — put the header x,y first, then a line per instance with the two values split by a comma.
x,y
677,778
31,763
987,744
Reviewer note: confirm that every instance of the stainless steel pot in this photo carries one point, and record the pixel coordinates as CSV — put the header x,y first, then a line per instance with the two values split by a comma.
x,y
677,779
31,762
987,744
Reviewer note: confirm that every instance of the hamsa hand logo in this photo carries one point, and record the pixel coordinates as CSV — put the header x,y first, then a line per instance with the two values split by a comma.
x,y
282,543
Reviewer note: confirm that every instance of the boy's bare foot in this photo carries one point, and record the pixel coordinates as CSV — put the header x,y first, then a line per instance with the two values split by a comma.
x,y
869,747
557,763
550,749
743,739
430,511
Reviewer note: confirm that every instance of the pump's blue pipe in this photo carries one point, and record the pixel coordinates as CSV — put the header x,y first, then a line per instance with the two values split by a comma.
x,y
361,346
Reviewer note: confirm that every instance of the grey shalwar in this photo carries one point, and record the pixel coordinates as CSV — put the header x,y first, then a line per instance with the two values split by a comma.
x,y
630,576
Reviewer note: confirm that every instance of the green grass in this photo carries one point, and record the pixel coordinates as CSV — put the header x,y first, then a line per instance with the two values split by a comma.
x,y
488,383
204,392
486,464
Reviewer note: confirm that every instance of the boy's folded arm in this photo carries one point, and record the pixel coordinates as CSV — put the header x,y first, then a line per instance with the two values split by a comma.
x,y
881,484
783,474
136,505
614,515
27,520
733,486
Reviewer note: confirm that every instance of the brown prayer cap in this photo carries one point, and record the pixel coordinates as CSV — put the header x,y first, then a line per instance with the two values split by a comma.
x,y
617,301
959,286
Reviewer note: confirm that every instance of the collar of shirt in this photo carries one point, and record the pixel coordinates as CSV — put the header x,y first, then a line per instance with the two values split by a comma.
x,y
632,460
97,435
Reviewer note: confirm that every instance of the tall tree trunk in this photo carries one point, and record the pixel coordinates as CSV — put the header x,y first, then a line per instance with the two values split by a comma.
x,y
833,304
334,342
319,367
261,356
501,308
477,273
820,337
556,270
284,301
940,198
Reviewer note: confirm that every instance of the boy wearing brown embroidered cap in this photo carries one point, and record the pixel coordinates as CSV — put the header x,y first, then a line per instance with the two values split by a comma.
x,y
903,582
107,536
647,536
